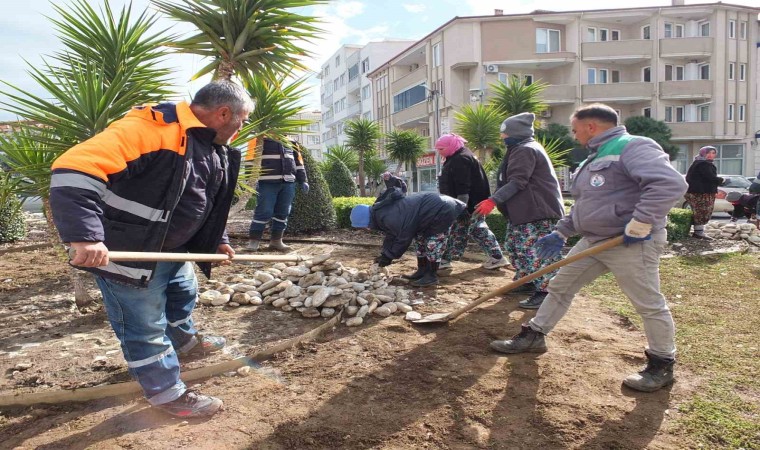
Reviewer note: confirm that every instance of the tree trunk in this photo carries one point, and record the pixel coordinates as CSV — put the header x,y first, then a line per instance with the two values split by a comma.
x,y
362,189
224,71
77,277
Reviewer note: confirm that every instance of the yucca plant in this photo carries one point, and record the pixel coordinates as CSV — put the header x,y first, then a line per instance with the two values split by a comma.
x,y
516,96
343,154
363,135
479,125
374,168
261,37
405,146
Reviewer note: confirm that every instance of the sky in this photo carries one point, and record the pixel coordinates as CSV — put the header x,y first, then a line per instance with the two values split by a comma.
x,y
26,35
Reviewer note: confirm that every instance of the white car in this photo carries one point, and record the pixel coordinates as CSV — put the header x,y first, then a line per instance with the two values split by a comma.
x,y
731,183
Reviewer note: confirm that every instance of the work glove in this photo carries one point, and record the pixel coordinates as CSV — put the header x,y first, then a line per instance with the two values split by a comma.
x,y
550,246
636,231
485,207
304,187
383,261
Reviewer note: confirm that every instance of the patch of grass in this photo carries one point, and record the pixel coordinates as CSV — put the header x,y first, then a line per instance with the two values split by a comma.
x,y
715,302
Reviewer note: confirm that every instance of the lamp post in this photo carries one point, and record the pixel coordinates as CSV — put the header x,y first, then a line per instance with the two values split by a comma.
x,y
434,95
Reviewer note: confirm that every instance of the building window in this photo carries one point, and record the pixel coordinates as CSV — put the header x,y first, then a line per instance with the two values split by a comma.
x,y
367,115
503,77
730,112
590,34
646,74
742,72
409,97
730,159
436,54
343,79
646,112
327,70
681,161
528,79
674,114
704,71
703,112
704,29
335,84
679,30
365,65
742,109
591,76
668,30
604,34
646,32
732,29
731,67
603,76
337,61
615,35
366,93
673,30
743,30
547,40
615,76
353,72
674,73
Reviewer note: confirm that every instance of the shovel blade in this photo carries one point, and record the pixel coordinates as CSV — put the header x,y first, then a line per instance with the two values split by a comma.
x,y
434,318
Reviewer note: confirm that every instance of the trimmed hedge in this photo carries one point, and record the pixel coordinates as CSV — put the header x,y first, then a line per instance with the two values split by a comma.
x,y
12,225
679,223
313,211
339,180
343,206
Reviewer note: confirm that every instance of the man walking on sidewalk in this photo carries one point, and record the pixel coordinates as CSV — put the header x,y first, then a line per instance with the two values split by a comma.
x,y
625,186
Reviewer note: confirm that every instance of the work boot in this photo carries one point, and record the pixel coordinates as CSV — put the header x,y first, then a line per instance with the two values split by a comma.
x,y
534,301
702,236
192,404
430,277
444,267
203,345
421,268
528,288
254,239
657,374
275,242
526,341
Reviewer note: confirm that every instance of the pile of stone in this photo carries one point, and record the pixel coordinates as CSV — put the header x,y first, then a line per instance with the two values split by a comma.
x,y
316,288
733,231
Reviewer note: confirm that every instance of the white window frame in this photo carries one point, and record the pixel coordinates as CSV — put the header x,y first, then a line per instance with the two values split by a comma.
x,y
677,73
643,74
366,92
668,117
591,76
548,32
503,77
680,110
603,76
337,61
742,112
606,32
679,30
528,77
742,72
365,65
667,31
701,28
731,71
613,33
731,29
699,71
743,30
647,111
612,76
437,54
700,107
730,112
591,34
648,29
682,77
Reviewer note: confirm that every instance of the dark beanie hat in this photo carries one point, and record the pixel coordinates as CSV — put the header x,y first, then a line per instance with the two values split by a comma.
x,y
519,125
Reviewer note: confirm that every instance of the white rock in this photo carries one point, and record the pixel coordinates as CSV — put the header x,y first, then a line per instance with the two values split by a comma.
x,y
352,310
296,304
268,300
311,279
233,304
744,236
391,307
412,316
297,271
264,277
287,308
276,272
220,300
358,287
311,312
308,302
319,259
207,297
337,281
320,296
379,284
383,311
313,289
227,290
291,292
362,311
234,279
280,266
403,307
244,371
373,306
354,322
280,302
256,301
327,312
268,285
385,298
241,298
362,301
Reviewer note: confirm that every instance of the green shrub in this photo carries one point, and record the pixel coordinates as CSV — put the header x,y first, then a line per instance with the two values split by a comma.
x,y
679,223
343,206
313,211
339,180
498,225
12,226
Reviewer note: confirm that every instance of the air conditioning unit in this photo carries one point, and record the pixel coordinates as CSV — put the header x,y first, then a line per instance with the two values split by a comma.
x,y
414,67
547,113
492,68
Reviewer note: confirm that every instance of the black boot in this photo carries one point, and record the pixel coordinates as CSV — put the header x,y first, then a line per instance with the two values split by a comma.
x,y
430,277
657,374
422,264
275,242
527,340
254,239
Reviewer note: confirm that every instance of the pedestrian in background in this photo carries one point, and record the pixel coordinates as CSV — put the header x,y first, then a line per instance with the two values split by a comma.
x,y
529,197
462,177
703,180
281,169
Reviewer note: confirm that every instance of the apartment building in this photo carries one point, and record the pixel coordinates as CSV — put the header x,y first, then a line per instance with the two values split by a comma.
x,y
692,66
310,135
345,90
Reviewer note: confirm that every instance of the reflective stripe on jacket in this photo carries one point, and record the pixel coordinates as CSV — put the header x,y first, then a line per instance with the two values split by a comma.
x,y
279,162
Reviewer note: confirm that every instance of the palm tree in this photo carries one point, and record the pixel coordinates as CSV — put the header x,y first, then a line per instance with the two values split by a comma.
x,y
404,146
363,135
374,168
480,126
343,154
261,37
107,66
516,96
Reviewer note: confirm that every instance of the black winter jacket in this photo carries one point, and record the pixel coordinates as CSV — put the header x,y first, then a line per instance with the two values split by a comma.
x,y
462,174
280,163
703,178
401,218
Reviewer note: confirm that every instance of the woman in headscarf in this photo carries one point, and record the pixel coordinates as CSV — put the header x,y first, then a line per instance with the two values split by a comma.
x,y
463,178
703,180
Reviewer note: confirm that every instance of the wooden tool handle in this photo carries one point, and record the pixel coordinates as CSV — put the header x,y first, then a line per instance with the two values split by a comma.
x,y
199,257
606,245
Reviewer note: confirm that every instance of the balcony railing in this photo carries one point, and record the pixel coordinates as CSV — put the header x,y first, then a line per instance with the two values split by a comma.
x,y
630,50
412,78
411,114
559,93
618,92
686,47
684,130
354,109
687,89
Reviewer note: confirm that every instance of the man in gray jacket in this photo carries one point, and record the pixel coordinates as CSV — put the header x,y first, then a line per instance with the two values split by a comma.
x,y
626,186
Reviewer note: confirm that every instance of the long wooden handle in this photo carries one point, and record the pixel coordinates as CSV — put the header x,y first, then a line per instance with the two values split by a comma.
x,y
199,257
506,288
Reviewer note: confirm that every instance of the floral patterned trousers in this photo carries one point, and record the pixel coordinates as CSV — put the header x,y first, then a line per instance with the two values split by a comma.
x,y
474,226
702,205
519,246
431,247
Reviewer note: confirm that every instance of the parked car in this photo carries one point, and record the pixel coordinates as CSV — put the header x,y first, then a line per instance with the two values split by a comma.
x,y
731,183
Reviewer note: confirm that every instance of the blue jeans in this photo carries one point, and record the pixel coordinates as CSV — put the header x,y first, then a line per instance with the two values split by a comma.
x,y
274,202
152,324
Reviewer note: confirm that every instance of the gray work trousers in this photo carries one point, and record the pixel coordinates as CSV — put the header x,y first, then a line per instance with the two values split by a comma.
x,y
637,271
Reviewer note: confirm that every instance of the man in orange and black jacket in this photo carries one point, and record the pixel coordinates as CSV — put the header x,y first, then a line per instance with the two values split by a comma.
x,y
160,179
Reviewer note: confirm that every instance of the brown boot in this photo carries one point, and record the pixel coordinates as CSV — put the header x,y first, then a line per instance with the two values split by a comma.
x,y
275,242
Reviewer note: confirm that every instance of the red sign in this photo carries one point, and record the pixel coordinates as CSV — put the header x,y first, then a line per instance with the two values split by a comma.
x,y
426,160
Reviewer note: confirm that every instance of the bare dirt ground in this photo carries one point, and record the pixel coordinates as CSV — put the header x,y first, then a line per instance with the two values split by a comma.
x,y
384,385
